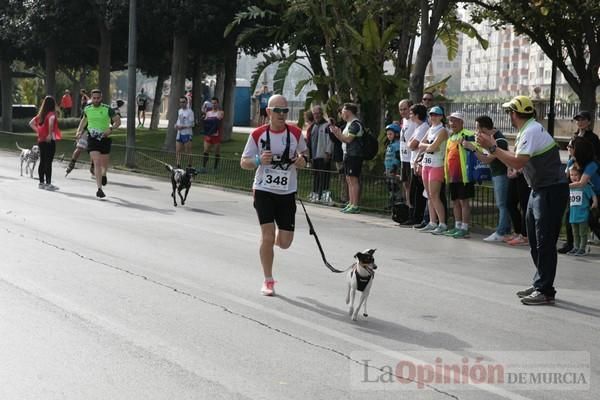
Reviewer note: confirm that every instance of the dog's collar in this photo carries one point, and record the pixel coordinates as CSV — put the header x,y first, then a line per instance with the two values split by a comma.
x,y
367,268
370,270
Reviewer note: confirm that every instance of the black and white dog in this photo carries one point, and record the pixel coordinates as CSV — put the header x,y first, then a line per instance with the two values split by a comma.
x,y
29,157
360,278
181,179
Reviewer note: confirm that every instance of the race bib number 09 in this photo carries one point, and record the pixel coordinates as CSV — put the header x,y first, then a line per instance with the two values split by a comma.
x,y
277,179
576,198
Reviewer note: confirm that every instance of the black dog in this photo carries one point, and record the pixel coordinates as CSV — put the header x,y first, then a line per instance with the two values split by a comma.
x,y
181,179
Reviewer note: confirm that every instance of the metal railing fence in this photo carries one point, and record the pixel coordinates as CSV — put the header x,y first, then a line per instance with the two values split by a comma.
x,y
375,196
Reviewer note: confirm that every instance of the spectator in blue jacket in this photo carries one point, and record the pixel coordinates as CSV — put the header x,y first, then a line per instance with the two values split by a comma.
x,y
392,163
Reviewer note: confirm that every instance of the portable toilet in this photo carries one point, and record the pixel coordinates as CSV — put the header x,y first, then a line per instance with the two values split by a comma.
x,y
243,99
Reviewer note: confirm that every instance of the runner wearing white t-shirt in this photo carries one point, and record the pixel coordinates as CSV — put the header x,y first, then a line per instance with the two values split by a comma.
x,y
184,125
406,132
418,116
275,150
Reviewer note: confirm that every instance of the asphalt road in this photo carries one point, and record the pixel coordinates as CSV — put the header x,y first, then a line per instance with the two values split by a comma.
x,y
132,298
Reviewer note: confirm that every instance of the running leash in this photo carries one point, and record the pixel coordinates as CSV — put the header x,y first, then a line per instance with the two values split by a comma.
x,y
313,233
154,159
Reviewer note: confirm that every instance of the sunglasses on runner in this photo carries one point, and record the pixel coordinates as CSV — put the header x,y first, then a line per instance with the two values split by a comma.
x,y
280,110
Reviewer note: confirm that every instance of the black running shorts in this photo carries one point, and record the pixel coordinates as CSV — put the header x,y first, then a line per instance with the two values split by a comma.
x,y
103,145
462,191
278,208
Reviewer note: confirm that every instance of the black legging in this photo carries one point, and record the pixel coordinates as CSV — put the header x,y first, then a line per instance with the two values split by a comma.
x,y
418,202
518,197
47,150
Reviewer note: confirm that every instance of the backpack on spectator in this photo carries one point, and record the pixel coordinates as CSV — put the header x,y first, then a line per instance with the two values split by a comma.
x,y
369,143
400,212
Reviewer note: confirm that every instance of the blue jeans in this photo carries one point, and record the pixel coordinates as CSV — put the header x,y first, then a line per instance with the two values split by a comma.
x,y
501,197
544,216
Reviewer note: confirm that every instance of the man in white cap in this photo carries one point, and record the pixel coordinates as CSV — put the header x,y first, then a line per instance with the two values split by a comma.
x,y
537,153
457,177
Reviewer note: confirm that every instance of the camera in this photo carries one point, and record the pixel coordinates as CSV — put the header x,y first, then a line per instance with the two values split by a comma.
x,y
276,159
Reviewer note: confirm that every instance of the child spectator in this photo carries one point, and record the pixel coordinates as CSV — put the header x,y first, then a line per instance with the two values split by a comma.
x,y
579,211
391,163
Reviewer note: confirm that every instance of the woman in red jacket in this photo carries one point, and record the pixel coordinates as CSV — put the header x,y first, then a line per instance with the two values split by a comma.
x,y
46,126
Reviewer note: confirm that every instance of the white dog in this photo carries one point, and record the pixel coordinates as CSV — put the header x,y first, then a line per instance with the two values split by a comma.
x,y
29,157
360,277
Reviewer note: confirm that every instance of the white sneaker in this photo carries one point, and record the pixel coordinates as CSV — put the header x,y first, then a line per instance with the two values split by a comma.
x,y
494,237
428,228
440,230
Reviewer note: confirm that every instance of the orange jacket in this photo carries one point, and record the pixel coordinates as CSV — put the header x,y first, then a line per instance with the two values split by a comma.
x,y
43,131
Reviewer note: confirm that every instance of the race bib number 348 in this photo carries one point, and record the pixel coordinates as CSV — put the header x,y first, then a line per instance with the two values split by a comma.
x,y
277,179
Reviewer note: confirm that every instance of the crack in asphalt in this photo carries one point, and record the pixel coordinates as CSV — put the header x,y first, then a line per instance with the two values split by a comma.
x,y
237,314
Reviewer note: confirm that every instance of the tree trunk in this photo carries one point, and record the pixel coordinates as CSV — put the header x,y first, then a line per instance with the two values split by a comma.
x,y
51,61
6,80
197,87
75,88
178,70
229,90
588,97
220,84
430,21
104,62
82,82
405,45
156,103
314,59
411,51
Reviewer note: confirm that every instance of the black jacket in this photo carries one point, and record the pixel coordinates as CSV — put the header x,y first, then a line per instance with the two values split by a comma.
x,y
591,137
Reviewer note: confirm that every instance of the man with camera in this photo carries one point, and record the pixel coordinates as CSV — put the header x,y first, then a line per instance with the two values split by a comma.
x,y
537,154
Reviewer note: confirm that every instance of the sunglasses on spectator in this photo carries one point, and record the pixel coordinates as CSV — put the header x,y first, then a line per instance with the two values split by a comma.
x,y
280,110
427,99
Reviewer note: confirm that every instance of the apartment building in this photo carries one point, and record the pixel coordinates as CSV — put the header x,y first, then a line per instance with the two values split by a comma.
x,y
441,67
511,65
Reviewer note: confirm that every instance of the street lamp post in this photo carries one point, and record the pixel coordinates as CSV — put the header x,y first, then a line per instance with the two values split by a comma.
x,y
551,111
131,87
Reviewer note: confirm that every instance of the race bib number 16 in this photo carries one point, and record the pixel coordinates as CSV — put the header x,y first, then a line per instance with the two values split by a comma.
x,y
277,179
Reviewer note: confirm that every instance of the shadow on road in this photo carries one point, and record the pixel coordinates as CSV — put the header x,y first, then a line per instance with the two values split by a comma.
x,y
121,184
10,178
578,308
201,211
142,207
382,328
118,201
